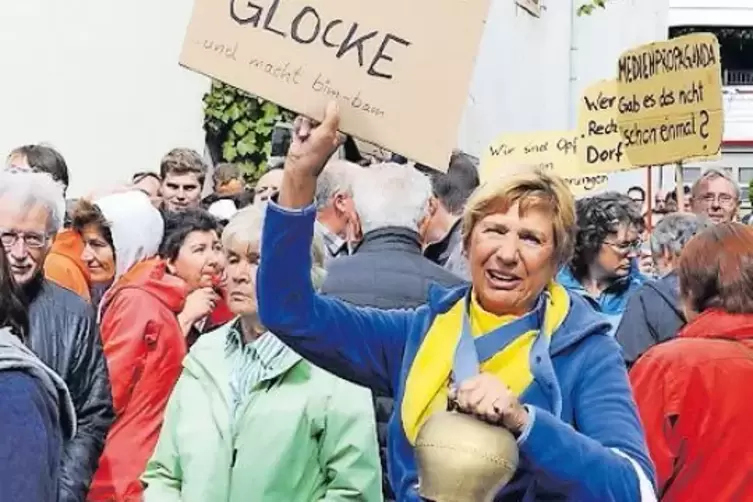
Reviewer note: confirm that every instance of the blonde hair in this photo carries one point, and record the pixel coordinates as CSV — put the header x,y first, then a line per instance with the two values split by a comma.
x,y
531,189
244,230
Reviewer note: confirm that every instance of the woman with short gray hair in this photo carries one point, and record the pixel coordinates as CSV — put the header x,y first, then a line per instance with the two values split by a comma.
x,y
654,314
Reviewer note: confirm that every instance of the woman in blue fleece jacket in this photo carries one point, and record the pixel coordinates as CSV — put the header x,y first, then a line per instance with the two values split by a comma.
x,y
513,348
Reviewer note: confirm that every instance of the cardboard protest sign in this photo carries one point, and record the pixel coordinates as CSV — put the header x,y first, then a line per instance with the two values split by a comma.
x,y
399,70
555,151
670,100
600,147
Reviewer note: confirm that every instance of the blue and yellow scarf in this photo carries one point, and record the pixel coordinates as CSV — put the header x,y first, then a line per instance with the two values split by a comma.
x,y
427,384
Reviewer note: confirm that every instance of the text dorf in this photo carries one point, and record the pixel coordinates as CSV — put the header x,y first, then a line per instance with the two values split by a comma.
x,y
307,26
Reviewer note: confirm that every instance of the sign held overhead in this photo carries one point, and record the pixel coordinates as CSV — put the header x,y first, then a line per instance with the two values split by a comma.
x,y
670,100
401,82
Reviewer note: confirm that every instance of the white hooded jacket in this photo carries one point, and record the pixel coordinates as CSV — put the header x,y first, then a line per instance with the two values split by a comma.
x,y
136,227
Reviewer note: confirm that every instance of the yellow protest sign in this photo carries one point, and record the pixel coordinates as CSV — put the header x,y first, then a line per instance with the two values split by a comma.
x,y
555,151
670,100
600,147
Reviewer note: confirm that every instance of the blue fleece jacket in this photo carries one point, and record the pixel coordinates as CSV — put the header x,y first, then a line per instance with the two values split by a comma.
x,y
585,441
612,302
30,442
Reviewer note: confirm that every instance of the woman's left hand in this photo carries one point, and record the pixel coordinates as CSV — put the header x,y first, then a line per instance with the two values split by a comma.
x,y
488,398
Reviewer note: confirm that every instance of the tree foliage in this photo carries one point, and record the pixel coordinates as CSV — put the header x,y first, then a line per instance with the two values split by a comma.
x,y
589,7
239,127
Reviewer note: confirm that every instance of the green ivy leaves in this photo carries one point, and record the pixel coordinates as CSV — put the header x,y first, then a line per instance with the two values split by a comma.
x,y
240,126
588,8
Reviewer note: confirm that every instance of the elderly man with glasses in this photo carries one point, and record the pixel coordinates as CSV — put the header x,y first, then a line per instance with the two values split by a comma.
x,y
604,269
716,196
62,326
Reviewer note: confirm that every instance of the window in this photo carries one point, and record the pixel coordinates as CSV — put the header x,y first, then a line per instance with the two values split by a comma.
x,y
736,47
746,174
690,174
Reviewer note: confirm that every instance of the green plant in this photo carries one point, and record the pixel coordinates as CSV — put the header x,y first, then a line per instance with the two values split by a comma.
x,y
239,127
587,8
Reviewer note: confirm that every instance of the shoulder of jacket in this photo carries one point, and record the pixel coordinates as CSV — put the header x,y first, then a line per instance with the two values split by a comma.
x,y
65,300
330,384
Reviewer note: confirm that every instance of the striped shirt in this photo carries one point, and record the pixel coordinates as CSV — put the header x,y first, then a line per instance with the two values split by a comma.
x,y
250,363
336,245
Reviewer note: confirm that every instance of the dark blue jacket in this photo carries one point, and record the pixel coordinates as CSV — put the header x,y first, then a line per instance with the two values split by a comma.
x,y
584,442
653,315
31,440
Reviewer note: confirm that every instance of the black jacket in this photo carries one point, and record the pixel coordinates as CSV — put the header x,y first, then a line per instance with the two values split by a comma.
x,y
63,333
387,271
653,315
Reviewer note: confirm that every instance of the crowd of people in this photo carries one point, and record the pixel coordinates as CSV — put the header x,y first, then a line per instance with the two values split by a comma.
x,y
288,341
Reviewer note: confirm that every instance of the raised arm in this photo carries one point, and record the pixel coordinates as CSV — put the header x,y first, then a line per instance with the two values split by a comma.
x,y
361,345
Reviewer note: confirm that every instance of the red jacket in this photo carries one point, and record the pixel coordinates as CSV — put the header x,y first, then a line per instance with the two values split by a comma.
x,y
144,348
693,394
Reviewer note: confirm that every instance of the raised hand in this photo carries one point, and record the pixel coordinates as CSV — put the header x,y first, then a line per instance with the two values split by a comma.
x,y
310,149
312,145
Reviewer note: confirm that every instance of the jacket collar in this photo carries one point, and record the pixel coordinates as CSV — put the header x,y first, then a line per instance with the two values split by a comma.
x,y
390,239
581,320
717,324
439,252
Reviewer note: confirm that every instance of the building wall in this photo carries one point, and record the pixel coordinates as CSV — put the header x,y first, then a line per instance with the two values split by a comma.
x,y
99,80
530,72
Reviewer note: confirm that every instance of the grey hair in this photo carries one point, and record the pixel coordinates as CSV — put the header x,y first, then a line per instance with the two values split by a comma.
x,y
27,189
336,177
674,231
245,229
712,174
391,195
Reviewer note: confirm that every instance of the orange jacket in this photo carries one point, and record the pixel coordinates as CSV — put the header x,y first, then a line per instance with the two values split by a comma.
x,y
63,264
144,348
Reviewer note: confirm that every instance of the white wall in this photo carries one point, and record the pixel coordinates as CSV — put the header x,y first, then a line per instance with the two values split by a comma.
x,y
711,12
99,80
530,71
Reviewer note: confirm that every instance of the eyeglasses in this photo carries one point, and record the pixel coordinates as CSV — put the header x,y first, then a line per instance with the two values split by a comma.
x,y
33,240
625,247
722,199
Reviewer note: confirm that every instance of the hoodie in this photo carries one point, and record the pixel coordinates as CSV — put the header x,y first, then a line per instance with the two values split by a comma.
x,y
37,416
653,315
136,227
